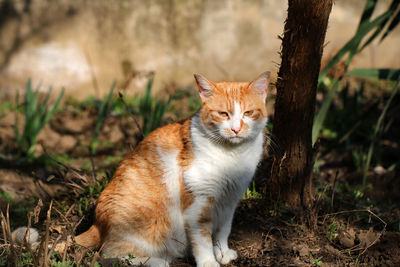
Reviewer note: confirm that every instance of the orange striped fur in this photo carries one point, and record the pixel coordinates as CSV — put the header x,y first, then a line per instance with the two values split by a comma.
x,y
179,187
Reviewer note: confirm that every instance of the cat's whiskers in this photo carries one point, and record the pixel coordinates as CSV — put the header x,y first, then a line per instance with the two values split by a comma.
x,y
273,143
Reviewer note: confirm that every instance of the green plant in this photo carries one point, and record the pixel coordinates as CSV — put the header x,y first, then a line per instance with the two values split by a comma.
x,y
317,262
54,263
379,74
7,106
106,106
37,114
359,158
356,120
194,103
3,256
387,20
321,115
377,130
18,209
332,230
90,192
152,110
252,193
25,259
112,160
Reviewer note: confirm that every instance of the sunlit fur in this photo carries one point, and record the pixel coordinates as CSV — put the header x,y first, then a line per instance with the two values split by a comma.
x,y
178,190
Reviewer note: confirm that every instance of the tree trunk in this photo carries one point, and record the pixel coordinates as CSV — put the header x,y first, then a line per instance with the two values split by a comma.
x,y
302,47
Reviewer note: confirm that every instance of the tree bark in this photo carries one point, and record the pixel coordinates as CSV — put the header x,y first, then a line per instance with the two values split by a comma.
x,y
302,47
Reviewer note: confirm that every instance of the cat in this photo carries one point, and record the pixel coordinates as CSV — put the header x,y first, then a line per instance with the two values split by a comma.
x,y
178,189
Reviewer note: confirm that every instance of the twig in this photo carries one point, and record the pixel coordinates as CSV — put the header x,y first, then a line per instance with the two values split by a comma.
x,y
46,240
53,247
3,228
379,218
342,212
321,194
121,96
59,162
276,228
36,211
8,230
93,167
28,230
371,213
62,215
70,209
37,181
96,256
77,224
333,188
64,256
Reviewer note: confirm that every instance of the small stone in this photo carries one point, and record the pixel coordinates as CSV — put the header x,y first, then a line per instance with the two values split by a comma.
x,y
304,251
347,238
367,238
379,170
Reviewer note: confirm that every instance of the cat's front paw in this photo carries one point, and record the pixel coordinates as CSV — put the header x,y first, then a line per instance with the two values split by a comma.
x,y
225,256
209,263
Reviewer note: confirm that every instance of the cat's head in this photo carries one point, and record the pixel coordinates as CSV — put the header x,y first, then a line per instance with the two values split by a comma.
x,y
233,111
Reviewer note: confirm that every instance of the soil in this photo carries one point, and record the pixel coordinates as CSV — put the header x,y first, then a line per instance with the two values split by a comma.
x,y
347,230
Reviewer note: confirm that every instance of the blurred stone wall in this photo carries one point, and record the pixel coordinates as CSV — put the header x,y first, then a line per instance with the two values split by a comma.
x,y
85,45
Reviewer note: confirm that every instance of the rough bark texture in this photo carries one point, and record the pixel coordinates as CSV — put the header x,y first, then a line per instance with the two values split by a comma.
x,y
302,47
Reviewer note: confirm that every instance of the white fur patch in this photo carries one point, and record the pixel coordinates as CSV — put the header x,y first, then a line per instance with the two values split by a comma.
x,y
222,171
236,117
177,241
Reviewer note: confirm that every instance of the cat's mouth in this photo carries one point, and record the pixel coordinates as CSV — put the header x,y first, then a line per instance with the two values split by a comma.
x,y
236,139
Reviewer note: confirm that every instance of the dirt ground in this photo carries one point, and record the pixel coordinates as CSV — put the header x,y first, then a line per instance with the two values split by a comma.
x,y
348,230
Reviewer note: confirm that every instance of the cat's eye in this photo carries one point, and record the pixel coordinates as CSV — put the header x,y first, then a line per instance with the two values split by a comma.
x,y
249,113
223,114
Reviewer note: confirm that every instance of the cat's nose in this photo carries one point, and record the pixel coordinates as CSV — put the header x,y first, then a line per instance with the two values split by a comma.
x,y
235,130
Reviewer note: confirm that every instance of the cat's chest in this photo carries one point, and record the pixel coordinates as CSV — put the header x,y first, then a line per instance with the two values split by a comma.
x,y
214,168
219,161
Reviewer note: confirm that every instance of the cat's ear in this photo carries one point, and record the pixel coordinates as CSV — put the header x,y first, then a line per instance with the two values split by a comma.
x,y
206,87
260,85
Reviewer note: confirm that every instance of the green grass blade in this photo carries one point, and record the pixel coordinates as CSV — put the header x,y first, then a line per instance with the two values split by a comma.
x,y
376,131
391,10
379,74
29,95
16,129
146,108
321,115
103,112
54,108
46,99
352,45
367,13
36,117
33,104
393,24
42,112
152,110
147,99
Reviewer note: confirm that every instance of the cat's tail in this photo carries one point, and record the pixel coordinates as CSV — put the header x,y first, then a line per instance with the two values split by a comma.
x,y
90,238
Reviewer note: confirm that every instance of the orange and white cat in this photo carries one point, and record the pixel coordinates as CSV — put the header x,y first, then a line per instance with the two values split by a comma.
x,y
180,186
